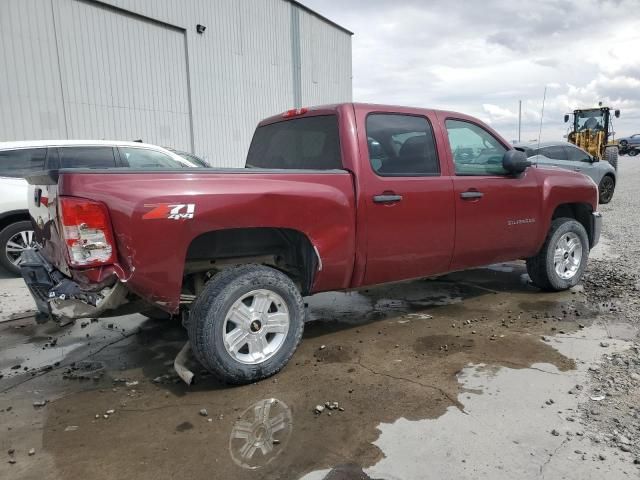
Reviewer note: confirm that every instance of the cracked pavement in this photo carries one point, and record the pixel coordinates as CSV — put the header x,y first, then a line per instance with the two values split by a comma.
x,y
465,376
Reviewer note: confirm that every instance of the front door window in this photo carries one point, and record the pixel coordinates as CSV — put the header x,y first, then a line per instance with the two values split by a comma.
x,y
475,151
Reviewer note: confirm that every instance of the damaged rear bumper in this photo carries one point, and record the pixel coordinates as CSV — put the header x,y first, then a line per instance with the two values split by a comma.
x,y
57,295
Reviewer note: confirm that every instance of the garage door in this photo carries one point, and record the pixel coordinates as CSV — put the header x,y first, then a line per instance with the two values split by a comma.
x,y
123,76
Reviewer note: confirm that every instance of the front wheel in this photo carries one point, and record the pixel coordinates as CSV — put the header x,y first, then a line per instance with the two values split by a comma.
x,y
247,323
633,152
563,258
606,188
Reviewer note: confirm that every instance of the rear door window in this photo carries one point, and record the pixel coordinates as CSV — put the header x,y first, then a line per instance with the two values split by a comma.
x,y
22,162
144,158
303,143
86,157
401,145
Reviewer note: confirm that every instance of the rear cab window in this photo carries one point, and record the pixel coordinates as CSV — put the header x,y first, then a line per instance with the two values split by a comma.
x,y
311,143
21,163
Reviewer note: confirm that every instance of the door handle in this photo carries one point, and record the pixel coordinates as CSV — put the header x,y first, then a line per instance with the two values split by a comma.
x,y
387,198
471,195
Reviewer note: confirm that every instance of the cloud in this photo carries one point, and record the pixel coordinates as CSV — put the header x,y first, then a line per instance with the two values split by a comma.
x,y
483,59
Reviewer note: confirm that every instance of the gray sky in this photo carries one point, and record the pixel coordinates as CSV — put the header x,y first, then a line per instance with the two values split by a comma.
x,y
481,57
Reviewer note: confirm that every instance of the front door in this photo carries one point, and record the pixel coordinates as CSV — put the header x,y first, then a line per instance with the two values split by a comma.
x,y
497,214
409,200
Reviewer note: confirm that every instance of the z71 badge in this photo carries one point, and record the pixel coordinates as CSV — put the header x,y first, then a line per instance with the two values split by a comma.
x,y
172,211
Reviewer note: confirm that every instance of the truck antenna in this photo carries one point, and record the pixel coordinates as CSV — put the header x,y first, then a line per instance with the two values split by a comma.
x,y
544,97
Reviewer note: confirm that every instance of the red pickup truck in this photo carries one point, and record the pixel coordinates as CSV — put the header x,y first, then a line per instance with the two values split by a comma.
x,y
333,198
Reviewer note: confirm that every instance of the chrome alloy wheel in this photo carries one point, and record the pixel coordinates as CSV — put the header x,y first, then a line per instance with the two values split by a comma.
x,y
567,255
256,326
17,244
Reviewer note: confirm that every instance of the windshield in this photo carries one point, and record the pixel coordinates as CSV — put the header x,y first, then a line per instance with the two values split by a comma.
x,y
589,120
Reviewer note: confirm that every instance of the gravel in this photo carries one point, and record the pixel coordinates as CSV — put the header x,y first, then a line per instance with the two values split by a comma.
x,y
610,413
615,405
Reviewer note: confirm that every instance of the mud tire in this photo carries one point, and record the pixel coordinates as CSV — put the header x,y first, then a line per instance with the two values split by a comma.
x,y
541,267
208,314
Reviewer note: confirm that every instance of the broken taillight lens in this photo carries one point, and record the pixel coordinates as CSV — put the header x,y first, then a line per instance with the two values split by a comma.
x,y
87,232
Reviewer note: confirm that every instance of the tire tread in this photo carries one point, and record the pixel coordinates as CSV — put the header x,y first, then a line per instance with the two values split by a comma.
x,y
541,273
210,301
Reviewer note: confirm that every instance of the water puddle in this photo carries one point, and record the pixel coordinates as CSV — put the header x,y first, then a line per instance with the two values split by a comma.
x,y
491,437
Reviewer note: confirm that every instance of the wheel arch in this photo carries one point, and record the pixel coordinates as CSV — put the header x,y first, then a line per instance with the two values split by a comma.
x,y
582,212
285,249
13,216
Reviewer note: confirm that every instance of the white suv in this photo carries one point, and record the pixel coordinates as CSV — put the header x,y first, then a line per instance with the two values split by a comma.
x,y
21,159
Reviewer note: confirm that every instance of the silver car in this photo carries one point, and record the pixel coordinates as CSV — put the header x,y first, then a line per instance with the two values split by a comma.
x,y
567,155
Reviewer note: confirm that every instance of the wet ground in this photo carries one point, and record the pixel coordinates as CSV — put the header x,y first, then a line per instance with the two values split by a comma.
x,y
473,375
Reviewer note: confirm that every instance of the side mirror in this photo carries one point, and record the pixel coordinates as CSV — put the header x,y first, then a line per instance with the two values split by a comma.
x,y
515,161
566,118
616,113
594,159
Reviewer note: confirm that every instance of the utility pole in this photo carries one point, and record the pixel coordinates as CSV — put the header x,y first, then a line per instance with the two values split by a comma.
x,y
519,119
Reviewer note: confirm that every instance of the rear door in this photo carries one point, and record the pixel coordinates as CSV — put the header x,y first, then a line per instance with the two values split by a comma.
x,y
497,214
408,198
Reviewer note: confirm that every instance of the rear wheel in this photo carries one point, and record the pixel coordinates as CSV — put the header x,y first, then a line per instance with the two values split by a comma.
x,y
606,188
246,324
561,262
611,156
633,152
15,239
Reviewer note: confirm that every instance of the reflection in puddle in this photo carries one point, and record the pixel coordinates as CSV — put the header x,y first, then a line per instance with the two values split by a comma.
x,y
515,445
261,433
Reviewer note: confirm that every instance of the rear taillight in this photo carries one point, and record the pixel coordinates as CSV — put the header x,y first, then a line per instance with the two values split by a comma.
x,y
87,232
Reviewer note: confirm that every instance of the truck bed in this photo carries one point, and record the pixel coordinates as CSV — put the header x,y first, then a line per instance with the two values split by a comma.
x,y
151,251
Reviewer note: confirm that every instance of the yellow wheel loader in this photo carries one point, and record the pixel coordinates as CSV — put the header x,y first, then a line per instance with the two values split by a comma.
x,y
592,131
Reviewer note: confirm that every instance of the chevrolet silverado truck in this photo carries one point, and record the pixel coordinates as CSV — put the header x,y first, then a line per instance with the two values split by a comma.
x,y
332,198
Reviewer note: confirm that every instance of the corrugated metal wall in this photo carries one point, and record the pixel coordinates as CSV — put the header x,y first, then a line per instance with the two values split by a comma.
x,y
127,69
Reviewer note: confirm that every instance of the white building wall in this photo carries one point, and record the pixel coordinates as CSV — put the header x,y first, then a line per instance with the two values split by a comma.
x,y
129,69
